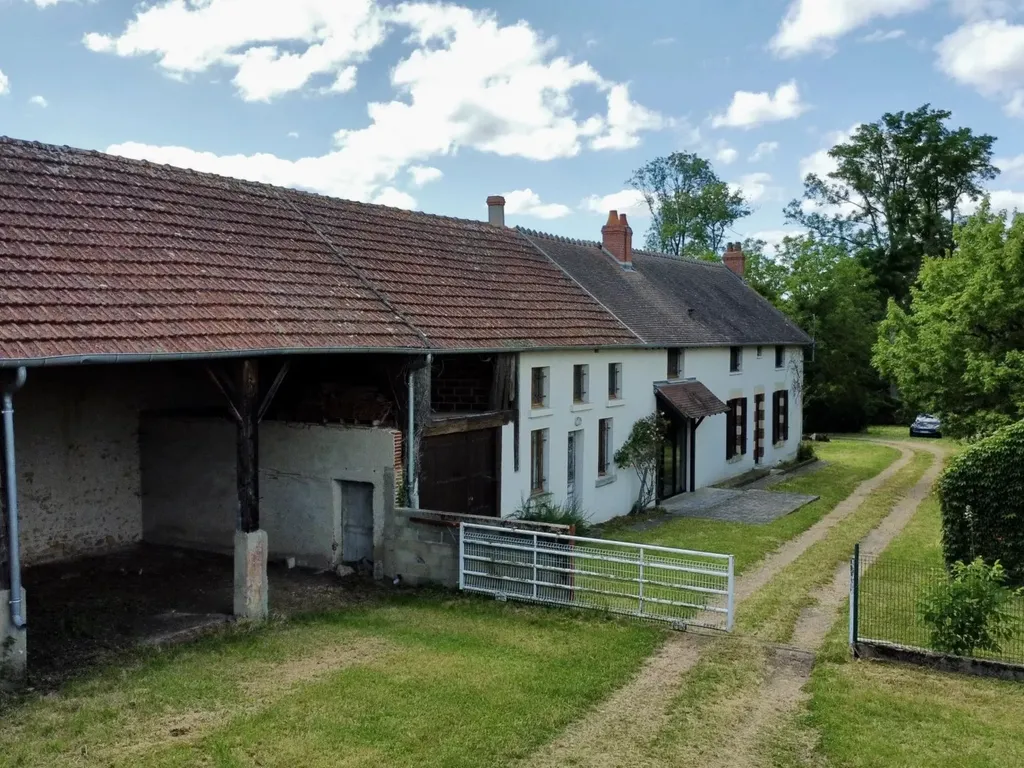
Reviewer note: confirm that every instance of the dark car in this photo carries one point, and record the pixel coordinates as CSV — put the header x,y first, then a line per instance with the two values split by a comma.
x,y
926,425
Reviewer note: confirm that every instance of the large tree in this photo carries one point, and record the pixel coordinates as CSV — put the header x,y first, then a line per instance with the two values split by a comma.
x,y
958,349
897,192
691,207
832,296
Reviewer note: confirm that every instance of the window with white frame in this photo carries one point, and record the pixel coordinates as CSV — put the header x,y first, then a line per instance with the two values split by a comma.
x,y
539,387
538,461
604,447
580,374
735,359
614,381
675,364
760,351
780,357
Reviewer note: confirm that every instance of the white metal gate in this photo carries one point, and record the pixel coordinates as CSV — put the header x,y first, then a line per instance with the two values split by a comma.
x,y
680,586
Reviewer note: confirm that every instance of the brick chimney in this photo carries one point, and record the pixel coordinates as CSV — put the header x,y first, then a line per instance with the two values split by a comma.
x,y
617,237
496,211
734,258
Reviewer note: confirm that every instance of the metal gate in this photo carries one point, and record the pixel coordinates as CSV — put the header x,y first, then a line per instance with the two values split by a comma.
x,y
680,586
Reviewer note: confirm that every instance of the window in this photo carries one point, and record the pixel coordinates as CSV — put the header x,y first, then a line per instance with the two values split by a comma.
x,y
580,374
780,416
780,357
604,447
675,364
538,461
614,381
736,428
539,387
759,350
735,359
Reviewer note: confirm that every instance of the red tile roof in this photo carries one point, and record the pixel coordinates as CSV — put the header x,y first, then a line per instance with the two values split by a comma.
x,y
100,255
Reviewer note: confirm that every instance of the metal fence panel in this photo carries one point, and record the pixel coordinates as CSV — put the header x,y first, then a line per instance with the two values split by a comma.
x,y
675,585
886,606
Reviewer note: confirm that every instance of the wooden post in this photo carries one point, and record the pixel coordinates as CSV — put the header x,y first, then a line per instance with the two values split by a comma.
x,y
248,447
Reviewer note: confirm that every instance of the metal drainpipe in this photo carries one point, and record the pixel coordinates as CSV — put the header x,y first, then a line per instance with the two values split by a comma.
x,y
410,445
11,487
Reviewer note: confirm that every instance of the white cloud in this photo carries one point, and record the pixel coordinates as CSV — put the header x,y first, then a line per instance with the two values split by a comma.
x,y
815,25
774,237
395,198
467,83
749,109
254,38
628,201
974,10
526,202
1011,166
756,187
882,36
664,41
39,101
725,154
626,119
5,83
763,150
1001,199
424,174
46,3
293,134
820,163
989,56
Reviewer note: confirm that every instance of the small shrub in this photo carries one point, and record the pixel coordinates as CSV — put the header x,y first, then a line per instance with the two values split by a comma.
x,y
642,452
982,497
967,613
546,511
805,452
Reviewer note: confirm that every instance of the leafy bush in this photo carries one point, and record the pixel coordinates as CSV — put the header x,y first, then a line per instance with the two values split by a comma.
x,y
543,510
967,613
982,496
641,452
805,452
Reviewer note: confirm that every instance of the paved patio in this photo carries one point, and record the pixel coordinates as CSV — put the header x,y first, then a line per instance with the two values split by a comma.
x,y
736,506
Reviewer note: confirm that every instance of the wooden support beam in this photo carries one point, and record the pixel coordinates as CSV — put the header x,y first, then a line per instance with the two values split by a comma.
x,y
248,446
276,385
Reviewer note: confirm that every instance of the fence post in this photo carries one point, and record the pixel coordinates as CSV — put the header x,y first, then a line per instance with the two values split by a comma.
x,y
854,594
640,605
462,556
535,545
731,600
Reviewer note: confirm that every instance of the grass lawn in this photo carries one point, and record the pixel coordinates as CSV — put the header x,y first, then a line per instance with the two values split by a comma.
x,y
891,432
849,463
425,680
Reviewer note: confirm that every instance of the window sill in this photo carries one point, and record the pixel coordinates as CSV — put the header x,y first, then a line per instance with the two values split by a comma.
x,y
615,403
537,413
534,495
606,480
576,407
735,373
736,459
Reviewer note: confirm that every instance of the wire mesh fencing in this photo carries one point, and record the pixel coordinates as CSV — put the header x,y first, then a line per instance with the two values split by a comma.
x,y
650,582
888,607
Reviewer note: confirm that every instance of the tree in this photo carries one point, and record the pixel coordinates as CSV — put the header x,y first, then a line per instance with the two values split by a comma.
x,y
765,274
642,451
958,350
897,192
691,207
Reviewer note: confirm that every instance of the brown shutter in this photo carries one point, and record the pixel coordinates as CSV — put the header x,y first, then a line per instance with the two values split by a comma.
x,y
784,401
730,430
743,427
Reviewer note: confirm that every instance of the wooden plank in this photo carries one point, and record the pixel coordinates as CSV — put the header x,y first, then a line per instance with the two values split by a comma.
x,y
467,423
248,446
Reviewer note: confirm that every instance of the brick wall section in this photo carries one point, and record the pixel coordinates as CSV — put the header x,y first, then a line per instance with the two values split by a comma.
x,y
461,383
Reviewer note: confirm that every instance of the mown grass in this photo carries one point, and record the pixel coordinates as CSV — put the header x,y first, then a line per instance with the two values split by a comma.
x,y
420,681
773,611
849,463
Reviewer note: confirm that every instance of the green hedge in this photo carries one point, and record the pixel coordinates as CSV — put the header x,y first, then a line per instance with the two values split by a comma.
x,y
982,496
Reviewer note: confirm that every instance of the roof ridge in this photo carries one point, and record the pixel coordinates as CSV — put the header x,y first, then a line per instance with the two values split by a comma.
x,y
558,238
685,259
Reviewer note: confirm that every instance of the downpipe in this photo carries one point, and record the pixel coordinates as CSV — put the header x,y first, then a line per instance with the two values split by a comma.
x,y
11,489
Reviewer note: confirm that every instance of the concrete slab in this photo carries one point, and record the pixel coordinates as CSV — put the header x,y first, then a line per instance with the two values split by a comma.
x,y
251,592
13,644
756,507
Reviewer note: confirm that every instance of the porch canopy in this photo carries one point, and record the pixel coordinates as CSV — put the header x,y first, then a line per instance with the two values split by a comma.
x,y
690,399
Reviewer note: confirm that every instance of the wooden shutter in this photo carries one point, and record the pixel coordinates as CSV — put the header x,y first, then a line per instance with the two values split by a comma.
x,y
776,417
743,426
784,403
730,430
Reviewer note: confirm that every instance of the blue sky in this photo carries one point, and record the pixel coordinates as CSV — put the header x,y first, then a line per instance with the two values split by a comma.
x,y
436,106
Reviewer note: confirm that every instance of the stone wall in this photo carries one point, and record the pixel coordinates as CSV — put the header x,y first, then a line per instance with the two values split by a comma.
x,y
423,546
